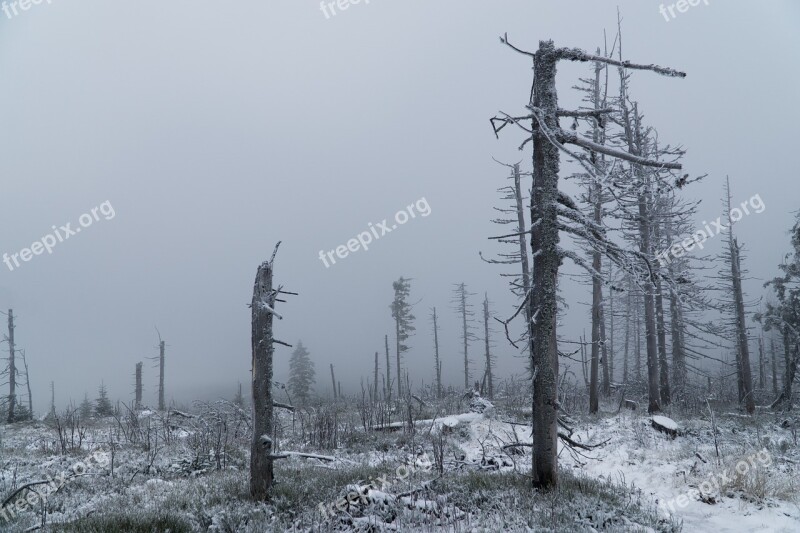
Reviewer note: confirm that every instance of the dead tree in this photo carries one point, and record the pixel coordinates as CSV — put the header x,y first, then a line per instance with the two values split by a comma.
x,y
375,379
52,399
551,213
661,329
333,382
467,315
610,354
12,368
138,387
27,384
262,446
762,382
388,392
520,284
160,361
437,363
733,257
774,362
487,375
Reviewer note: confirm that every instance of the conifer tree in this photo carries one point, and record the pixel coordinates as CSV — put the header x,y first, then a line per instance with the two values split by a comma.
x,y
103,405
301,374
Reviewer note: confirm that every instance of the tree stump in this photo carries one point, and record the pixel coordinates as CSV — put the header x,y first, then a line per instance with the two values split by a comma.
x,y
665,425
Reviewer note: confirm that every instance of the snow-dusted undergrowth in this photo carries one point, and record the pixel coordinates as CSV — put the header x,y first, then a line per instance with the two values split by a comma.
x,y
179,473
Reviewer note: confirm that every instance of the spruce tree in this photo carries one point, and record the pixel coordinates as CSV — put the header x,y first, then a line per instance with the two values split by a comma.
x,y
403,321
103,405
301,374
86,408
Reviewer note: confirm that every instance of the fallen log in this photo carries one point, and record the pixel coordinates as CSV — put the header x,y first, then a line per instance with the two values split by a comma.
x,y
665,425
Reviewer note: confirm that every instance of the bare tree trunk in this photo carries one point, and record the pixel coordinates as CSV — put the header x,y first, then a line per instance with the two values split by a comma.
x,y
638,340
544,245
466,336
597,265
28,385
161,403
52,399
791,368
679,373
661,329
604,359
263,309
773,356
138,389
741,329
488,373
12,369
584,362
523,253
438,363
595,350
375,379
388,370
761,377
627,333
333,382
611,336
397,353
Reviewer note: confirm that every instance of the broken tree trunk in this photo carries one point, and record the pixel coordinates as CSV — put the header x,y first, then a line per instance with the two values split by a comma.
x,y
375,379
333,382
12,369
138,389
262,309
436,361
741,329
546,261
547,136
388,370
488,371
28,385
774,361
161,403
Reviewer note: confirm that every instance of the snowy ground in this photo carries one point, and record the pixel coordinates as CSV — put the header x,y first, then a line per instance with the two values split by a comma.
x,y
182,474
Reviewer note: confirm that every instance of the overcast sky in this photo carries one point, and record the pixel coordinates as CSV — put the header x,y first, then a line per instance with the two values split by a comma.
x,y
215,129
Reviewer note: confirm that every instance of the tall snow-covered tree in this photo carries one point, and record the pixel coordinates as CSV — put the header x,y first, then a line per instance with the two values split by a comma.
x,y
552,212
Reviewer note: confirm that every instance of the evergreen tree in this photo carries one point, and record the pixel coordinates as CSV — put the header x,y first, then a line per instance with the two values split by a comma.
x,y
403,321
103,405
86,408
301,374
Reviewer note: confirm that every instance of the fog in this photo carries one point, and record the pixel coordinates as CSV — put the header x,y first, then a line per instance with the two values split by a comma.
x,y
213,130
